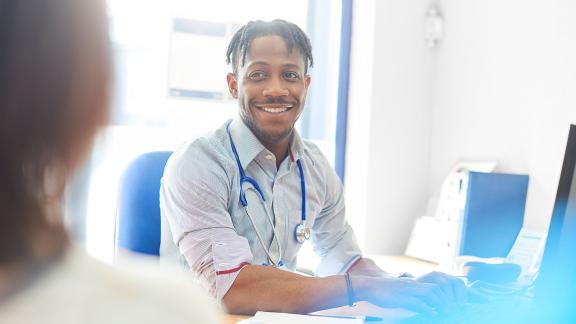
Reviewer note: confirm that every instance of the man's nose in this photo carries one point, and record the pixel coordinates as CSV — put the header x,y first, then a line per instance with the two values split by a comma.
x,y
275,88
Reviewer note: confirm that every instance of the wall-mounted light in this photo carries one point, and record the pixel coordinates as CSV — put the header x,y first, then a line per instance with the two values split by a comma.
x,y
433,26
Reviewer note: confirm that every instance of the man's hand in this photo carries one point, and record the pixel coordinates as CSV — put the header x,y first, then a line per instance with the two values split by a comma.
x,y
431,293
453,290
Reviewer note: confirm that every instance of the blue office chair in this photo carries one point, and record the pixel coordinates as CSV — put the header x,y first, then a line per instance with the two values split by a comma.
x,y
138,223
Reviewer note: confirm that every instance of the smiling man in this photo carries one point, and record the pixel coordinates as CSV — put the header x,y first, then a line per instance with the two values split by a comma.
x,y
238,204
271,89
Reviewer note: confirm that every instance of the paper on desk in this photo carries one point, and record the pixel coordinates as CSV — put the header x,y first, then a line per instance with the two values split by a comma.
x,y
284,318
387,315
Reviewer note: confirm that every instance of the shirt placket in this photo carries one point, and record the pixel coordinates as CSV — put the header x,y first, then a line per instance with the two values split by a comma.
x,y
279,209
269,166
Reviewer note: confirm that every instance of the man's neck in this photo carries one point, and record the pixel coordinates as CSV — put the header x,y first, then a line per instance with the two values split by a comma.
x,y
279,149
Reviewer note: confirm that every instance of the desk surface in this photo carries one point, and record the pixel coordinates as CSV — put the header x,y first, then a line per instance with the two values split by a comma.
x,y
401,263
232,319
361,308
389,263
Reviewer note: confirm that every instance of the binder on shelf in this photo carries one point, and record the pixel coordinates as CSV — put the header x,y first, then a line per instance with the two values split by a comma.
x,y
493,213
479,214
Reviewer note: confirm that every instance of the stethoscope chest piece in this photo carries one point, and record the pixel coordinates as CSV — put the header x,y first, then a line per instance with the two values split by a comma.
x,y
302,233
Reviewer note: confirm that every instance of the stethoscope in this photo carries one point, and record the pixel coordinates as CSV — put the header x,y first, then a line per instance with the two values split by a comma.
x,y
301,231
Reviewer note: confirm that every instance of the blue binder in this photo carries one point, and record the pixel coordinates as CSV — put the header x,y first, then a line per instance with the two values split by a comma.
x,y
493,214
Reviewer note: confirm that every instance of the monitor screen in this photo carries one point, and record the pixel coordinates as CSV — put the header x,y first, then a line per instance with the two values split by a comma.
x,y
555,288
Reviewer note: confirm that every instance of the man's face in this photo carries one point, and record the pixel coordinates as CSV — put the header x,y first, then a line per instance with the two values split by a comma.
x,y
271,88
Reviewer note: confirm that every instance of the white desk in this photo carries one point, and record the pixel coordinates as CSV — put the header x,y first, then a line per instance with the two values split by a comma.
x,y
401,263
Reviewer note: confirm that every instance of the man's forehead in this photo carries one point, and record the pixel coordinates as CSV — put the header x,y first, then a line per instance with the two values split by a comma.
x,y
273,49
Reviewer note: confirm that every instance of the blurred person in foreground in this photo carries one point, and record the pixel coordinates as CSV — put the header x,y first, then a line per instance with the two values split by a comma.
x,y
54,78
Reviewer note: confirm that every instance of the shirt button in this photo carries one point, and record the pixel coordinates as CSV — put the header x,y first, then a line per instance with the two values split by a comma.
x,y
269,157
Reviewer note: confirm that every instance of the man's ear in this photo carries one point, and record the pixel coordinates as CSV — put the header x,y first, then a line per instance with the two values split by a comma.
x,y
307,80
232,85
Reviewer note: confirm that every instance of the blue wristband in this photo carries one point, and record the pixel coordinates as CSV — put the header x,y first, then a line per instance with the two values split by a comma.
x,y
349,289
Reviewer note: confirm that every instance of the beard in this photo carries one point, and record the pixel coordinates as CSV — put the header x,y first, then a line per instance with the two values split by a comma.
x,y
266,136
273,135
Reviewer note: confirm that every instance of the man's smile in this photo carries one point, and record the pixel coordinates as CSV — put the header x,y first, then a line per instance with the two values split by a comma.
x,y
274,108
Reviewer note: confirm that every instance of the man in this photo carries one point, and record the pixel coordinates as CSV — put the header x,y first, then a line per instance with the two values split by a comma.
x,y
242,253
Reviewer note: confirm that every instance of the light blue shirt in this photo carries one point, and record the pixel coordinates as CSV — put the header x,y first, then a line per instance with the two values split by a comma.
x,y
204,224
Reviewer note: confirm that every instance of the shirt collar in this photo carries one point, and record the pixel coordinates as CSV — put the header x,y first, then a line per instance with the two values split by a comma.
x,y
248,145
296,147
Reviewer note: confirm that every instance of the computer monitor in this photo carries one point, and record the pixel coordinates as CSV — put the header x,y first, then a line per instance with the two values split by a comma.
x,y
555,287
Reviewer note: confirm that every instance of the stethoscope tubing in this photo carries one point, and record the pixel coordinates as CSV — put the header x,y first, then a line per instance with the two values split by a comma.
x,y
244,202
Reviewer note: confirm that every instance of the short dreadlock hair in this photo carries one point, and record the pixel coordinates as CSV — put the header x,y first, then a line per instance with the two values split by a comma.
x,y
291,33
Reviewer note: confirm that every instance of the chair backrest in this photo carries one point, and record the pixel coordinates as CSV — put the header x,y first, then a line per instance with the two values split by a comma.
x,y
138,226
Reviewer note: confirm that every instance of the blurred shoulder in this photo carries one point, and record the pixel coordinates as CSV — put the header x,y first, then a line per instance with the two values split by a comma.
x,y
81,289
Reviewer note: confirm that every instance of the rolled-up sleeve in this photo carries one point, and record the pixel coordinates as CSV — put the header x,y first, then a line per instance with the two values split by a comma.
x,y
333,238
193,200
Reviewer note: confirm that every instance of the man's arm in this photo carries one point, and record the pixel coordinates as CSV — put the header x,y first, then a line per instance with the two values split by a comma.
x,y
367,267
265,288
262,288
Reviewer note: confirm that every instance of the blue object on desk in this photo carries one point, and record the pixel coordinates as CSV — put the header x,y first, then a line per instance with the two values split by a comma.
x,y
493,214
138,227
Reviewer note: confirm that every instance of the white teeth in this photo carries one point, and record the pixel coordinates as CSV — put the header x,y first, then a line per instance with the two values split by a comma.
x,y
274,110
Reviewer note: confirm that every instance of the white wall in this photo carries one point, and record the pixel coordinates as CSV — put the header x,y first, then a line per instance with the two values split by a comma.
x,y
500,86
389,123
505,89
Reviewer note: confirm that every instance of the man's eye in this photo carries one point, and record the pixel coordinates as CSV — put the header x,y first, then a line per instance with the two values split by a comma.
x,y
257,75
291,76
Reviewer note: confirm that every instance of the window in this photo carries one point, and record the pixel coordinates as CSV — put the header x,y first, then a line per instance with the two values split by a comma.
x,y
170,85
